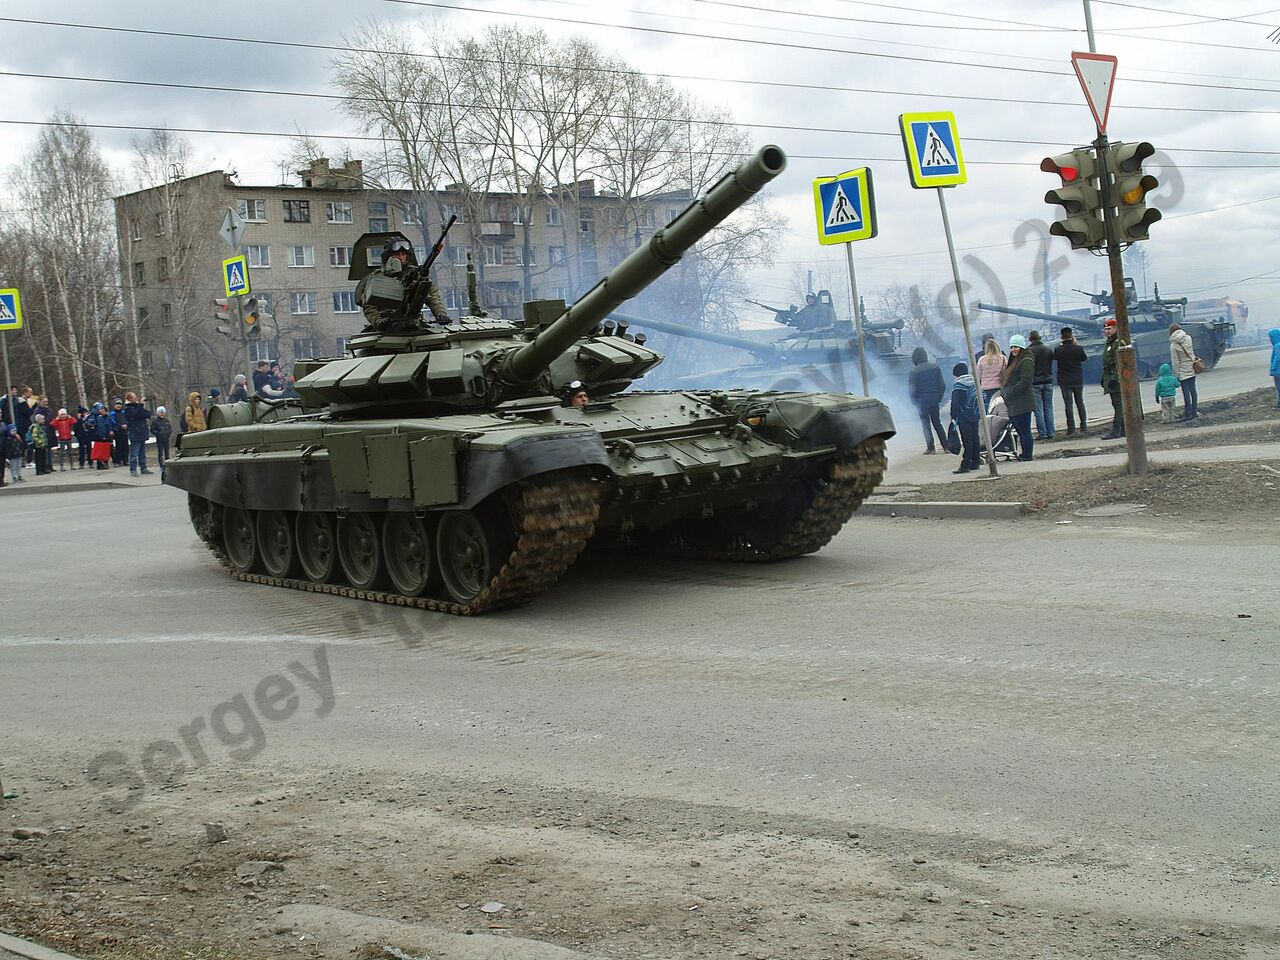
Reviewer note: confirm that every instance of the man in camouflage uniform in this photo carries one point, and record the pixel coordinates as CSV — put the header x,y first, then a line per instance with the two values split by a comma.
x,y
418,291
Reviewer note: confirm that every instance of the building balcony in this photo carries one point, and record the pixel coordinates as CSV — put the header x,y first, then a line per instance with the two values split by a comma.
x,y
498,228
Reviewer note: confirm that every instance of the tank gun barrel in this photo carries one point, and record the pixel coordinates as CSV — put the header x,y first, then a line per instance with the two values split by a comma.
x,y
1041,315
645,264
765,350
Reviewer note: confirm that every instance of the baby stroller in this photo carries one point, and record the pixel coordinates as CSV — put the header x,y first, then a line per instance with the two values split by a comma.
x,y
1004,439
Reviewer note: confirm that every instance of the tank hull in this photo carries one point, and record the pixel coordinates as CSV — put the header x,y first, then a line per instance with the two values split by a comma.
x,y
680,470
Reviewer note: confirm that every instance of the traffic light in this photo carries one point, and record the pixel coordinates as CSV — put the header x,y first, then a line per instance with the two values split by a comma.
x,y
224,311
1133,216
1079,198
251,319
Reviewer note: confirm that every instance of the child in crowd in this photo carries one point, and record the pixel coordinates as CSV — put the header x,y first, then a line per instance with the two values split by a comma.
x,y
1167,387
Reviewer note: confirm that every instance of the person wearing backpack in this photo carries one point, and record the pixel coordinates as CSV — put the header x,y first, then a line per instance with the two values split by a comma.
x,y
965,413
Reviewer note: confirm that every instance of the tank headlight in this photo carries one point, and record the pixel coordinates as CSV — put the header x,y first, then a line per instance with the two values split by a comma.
x,y
754,420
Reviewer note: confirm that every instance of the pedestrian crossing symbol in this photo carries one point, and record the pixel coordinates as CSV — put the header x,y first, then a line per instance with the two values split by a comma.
x,y
10,310
932,146
845,207
235,276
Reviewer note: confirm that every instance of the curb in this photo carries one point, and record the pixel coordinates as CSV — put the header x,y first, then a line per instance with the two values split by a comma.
x,y
942,509
69,488
30,951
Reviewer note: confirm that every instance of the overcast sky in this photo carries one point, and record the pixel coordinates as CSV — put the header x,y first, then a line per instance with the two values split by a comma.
x,y
800,74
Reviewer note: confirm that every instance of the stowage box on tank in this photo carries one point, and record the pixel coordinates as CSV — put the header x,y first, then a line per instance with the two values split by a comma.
x,y
437,468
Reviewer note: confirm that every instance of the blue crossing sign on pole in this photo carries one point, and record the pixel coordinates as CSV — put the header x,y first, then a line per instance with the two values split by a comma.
x,y
235,276
932,145
10,310
845,206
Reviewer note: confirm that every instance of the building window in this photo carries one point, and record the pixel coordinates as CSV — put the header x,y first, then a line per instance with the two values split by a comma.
x,y
338,211
553,216
456,253
253,211
379,221
373,256
339,256
413,213
139,274
166,314
555,254
520,261
162,268
344,301
135,229
560,293
517,214
148,360
300,303
587,222
144,314
297,211
673,213
259,350
448,210
302,256
493,255
307,347
259,255
455,299
159,224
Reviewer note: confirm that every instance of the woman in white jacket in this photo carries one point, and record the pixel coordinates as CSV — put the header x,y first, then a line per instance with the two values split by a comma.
x,y
1182,354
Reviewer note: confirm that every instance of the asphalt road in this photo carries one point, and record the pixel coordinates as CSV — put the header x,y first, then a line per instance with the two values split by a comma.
x,y
1086,687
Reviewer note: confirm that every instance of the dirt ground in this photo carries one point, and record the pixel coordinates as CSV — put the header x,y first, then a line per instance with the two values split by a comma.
x,y
423,867
1248,491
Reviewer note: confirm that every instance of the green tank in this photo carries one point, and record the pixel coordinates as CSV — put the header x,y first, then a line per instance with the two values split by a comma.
x,y
823,356
437,468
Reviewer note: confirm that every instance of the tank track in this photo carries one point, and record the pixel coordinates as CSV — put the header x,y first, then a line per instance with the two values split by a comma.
x,y
850,480
557,516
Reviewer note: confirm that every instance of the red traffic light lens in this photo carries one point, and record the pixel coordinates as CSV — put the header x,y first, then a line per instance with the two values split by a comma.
x,y
1068,174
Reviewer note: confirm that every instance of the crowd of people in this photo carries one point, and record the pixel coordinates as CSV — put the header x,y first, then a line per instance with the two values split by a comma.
x,y
103,436
1020,380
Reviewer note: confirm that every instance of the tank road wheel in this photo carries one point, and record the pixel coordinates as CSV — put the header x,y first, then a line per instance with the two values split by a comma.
x,y
360,551
317,546
206,518
240,537
472,546
409,548
275,543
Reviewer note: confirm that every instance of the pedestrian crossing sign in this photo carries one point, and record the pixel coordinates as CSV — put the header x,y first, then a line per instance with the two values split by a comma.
x,y
845,206
235,276
932,144
10,310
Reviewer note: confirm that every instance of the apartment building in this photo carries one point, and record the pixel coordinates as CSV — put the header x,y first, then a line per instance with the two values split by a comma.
x,y
298,242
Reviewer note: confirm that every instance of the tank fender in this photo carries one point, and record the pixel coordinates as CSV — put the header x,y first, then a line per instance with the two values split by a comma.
x,y
488,468
826,420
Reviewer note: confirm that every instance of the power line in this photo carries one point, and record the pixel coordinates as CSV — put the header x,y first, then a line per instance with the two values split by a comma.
x,y
488,143
1202,19
891,23
696,78
219,88
807,48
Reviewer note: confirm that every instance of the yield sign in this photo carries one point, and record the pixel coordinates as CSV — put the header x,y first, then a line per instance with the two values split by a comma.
x,y
1097,73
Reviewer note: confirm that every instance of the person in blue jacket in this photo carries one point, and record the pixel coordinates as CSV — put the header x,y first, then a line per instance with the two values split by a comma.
x,y
1274,334
966,413
99,425
120,430
138,417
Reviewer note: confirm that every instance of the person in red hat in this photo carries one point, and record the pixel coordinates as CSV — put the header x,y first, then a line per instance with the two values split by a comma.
x,y
1111,379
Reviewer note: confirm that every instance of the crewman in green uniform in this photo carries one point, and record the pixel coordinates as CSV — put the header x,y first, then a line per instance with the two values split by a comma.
x,y
417,291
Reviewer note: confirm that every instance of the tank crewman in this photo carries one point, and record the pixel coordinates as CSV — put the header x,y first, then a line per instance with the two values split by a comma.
x,y
397,256
809,315
574,394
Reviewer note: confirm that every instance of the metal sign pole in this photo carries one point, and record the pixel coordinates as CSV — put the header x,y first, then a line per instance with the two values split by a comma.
x,y
857,319
8,380
968,339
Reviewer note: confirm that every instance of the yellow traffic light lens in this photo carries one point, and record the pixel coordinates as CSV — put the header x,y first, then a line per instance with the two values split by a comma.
x,y
1134,196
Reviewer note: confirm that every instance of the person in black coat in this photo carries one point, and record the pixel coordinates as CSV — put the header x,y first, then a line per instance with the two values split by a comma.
x,y
81,432
1070,358
926,387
